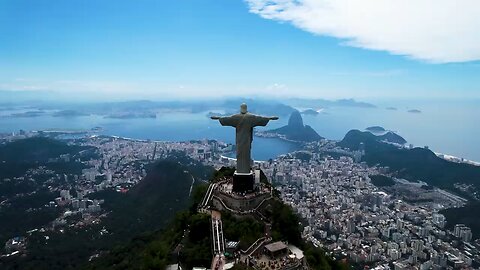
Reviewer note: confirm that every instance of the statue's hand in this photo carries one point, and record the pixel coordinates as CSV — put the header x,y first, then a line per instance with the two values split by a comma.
x,y
274,118
215,117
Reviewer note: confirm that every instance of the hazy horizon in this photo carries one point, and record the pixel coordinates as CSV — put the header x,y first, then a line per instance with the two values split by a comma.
x,y
28,96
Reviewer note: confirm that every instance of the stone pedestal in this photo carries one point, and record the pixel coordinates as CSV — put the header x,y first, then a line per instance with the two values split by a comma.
x,y
243,182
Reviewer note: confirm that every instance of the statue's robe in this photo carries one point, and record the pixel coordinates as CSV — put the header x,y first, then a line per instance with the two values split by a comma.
x,y
244,124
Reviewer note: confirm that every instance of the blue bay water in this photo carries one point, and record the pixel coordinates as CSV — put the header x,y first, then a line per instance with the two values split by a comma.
x,y
446,127
172,126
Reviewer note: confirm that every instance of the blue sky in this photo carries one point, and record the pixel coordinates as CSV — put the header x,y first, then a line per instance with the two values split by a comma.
x,y
192,48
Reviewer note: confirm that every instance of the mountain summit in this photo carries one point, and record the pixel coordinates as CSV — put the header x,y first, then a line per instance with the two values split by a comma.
x,y
296,130
295,120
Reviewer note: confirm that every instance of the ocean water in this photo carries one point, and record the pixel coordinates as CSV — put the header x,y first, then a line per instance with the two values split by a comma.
x,y
450,127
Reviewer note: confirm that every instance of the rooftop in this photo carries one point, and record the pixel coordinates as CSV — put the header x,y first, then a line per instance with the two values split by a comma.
x,y
277,246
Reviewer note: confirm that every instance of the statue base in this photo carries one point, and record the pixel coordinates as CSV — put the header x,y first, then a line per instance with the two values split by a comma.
x,y
243,182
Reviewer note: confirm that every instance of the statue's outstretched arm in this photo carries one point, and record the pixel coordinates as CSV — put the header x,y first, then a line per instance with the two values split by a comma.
x,y
226,120
263,120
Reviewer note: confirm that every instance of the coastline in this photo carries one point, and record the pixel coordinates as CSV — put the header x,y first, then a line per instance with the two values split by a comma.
x,y
456,159
87,133
440,155
275,136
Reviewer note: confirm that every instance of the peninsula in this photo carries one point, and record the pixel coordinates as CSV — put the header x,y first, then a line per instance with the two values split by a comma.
x,y
295,130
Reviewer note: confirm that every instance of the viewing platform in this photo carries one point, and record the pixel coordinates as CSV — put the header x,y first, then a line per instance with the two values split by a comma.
x,y
224,198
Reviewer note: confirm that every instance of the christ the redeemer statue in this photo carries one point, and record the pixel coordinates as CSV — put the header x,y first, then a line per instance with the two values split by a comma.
x,y
244,122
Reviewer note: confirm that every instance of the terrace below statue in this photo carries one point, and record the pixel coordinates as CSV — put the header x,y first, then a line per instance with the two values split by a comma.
x,y
239,203
243,182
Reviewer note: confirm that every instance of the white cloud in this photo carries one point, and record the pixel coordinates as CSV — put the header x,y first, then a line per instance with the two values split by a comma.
x,y
438,31
277,87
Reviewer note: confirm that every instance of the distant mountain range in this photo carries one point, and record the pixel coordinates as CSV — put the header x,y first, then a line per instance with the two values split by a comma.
x,y
295,130
47,101
316,103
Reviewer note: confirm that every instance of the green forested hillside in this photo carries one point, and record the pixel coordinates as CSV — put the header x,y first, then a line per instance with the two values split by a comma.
x,y
382,180
464,215
190,231
36,149
24,195
18,156
134,216
412,164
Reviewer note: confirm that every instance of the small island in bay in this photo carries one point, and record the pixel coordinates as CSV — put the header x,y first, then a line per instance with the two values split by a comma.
x,y
391,108
414,111
310,112
295,130
131,115
210,114
29,114
69,113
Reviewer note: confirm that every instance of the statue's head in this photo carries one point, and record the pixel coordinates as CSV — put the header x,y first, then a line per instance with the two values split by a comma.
x,y
243,108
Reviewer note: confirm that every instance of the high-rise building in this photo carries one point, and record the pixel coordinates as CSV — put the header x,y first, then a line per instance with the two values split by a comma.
x,y
417,245
466,234
65,194
463,232
439,220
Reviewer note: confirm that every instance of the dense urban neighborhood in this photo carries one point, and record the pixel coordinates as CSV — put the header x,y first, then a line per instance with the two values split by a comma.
x,y
353,211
